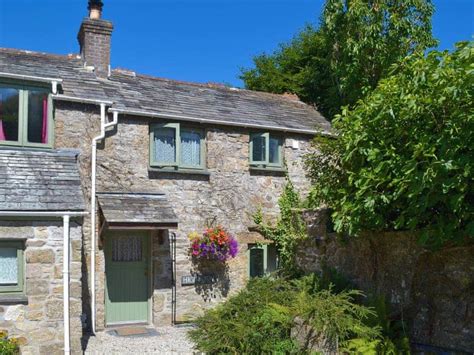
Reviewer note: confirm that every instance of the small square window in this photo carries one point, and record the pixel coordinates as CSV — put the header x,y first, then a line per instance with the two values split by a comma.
x,y
266,150
175,147
263,259
11,266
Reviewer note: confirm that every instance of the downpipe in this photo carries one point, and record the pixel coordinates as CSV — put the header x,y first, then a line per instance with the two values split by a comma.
x,y
103,126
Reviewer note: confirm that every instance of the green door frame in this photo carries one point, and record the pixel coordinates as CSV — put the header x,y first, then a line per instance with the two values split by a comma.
x,y
148,250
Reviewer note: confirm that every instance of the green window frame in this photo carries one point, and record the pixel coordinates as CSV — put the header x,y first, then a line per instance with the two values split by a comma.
x,y
268,254
178,162
17,288
24,90
266,161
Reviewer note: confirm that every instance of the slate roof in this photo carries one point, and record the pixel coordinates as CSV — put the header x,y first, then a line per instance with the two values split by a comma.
x,y
134,92
40,181
136,208
77,81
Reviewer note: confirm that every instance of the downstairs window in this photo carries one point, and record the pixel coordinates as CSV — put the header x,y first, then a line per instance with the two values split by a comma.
x,y
263,259
11,266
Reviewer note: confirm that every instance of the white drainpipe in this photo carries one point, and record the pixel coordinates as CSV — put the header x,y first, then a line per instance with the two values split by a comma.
x,y
66,253
66,215
103,126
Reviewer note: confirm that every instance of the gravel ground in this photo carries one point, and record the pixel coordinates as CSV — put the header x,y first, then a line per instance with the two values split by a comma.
x,y
169,340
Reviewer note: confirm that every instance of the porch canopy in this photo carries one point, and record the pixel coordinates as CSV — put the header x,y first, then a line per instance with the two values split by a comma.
x,y
128,210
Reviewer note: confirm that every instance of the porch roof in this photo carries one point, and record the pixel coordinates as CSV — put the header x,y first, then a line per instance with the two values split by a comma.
x,y
134,209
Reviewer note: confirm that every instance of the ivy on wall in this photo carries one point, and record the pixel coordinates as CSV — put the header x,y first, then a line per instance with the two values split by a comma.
x,y
289,229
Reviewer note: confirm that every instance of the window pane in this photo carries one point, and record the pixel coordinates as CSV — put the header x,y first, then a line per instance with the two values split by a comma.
x,y
9,103
272,258
190,148
274,154
258,148
256,262
165,145
127,249
8,266
37,116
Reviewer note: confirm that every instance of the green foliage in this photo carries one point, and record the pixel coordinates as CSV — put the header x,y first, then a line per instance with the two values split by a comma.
x,y
259,318
248,322
394,338
336,315
336,63
8,346
289,229
404,157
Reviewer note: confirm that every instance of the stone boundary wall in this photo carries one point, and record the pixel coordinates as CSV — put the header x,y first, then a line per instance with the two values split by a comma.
x,y
38,323
432,290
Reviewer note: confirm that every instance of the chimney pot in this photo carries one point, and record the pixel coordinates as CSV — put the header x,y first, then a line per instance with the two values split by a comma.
x,y
95,9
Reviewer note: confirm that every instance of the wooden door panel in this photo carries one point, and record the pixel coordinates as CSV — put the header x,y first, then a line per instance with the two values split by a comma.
x,y
127,281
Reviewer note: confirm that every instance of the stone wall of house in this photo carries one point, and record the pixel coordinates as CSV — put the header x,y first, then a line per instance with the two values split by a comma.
x,y
75,126
431,290
229,195
38,322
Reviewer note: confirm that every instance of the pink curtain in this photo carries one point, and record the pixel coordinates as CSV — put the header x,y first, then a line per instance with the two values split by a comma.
x,y
44,130
2,132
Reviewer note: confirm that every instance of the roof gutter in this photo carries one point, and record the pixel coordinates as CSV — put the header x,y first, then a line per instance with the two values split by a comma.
x,y
42,213
53,81
81,100
217,122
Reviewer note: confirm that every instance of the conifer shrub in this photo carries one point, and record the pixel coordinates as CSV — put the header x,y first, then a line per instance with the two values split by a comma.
x,y
260,318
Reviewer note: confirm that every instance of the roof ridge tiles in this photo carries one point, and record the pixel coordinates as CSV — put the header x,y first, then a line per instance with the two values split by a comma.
x,y
44,54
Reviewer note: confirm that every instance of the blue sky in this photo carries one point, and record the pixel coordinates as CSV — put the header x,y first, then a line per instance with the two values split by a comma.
x,y
193,40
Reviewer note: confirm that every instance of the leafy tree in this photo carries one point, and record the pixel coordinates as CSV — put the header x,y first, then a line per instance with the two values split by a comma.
x,y
404,158
353,48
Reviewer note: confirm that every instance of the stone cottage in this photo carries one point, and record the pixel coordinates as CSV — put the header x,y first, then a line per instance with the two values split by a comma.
x,y
105,172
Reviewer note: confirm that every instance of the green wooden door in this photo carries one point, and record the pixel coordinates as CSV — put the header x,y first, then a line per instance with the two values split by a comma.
x,y
127,277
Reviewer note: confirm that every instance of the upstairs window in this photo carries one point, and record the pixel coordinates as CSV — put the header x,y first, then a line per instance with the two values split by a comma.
x,y
25,116
266,150
174,146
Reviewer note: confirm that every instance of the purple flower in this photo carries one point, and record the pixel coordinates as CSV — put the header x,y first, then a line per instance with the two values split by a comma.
x,y
233,247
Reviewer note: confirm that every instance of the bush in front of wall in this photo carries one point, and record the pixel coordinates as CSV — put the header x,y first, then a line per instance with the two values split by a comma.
x,y
261,318
250,322
8,346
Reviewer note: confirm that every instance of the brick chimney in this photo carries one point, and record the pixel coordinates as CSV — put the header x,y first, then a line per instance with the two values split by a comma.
x,y
94,39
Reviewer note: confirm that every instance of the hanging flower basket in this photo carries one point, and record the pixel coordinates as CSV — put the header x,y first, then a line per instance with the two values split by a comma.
x,y
213,244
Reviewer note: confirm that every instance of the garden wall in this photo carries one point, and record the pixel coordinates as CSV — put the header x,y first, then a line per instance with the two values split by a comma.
x,y
432,291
